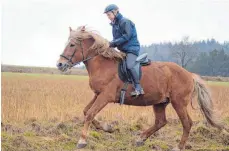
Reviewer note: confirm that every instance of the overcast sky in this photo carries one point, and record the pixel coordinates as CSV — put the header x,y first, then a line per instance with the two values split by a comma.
x,y
34,31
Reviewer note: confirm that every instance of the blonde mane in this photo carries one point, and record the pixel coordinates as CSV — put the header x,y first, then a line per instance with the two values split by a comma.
x,y
100,45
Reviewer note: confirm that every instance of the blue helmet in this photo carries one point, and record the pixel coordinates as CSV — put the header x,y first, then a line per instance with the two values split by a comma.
x,y
110,8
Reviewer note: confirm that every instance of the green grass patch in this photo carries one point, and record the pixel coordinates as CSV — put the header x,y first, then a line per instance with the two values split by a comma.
x,y
6,136
29,134
95,134
69,145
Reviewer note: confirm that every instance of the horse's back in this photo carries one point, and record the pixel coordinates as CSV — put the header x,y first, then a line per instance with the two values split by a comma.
x,y
171,70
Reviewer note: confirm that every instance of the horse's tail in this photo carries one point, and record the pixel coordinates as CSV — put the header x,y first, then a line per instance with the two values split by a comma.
x,y
205,101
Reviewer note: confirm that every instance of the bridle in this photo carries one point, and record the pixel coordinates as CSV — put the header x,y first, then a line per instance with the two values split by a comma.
x,y
82,52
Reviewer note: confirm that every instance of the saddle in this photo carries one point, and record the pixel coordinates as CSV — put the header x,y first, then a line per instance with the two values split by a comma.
x,y
125,76
123,72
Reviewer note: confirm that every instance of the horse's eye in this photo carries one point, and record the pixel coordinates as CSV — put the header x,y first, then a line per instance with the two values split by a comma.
x,y
72,45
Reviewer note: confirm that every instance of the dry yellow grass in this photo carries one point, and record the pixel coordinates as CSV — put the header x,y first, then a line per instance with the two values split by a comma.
x,y
46,97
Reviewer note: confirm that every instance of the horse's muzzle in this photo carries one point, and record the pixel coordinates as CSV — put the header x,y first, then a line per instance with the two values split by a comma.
x,y
63,66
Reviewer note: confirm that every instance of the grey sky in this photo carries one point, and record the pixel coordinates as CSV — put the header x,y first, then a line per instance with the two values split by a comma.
x,y
34,31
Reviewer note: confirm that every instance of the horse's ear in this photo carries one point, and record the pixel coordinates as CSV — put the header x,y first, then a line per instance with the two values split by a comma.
x,y
70,29
83,28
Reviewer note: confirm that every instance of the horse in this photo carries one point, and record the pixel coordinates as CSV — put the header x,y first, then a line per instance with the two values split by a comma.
x,y
160,80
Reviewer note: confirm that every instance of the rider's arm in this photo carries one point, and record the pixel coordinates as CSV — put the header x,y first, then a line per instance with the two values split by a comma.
x,y
127,33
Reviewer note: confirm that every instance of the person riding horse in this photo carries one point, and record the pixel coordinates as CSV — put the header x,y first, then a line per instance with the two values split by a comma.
x,y
125,39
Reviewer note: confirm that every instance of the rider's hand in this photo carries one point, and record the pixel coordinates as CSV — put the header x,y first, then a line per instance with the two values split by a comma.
x,y
112,44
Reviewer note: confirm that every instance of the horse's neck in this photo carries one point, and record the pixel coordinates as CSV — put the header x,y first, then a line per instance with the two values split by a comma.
x,y
100,65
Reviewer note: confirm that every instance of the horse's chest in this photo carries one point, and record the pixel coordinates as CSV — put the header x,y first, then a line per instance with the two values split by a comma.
x,y
97,85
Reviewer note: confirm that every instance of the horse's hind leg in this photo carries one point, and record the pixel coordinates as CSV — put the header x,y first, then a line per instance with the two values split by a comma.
x,y
160,121
186,121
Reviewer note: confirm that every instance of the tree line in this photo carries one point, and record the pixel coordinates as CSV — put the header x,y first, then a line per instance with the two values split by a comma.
x,y
206,57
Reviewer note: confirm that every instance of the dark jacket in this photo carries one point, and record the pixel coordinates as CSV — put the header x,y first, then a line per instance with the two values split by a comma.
x,y
125,35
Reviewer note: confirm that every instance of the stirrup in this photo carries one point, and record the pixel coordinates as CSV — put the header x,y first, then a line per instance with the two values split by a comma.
x,y
137,93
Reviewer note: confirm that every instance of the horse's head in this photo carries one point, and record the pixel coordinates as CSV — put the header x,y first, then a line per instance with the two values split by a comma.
x,y
76,50
82,46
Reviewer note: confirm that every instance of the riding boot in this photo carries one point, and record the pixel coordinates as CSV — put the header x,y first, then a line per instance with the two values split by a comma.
x,y
139,88
136,79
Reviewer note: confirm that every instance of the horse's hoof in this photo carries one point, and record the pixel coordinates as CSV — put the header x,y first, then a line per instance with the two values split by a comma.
x,y
140,142
107,128
81,144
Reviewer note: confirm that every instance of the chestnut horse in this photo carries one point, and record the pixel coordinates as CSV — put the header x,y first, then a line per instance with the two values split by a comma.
x,y
160,80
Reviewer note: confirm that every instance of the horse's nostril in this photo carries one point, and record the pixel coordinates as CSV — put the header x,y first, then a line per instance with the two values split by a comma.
x,y
59,64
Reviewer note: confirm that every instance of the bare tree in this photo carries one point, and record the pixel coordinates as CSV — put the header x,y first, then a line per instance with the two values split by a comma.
x,y
184,52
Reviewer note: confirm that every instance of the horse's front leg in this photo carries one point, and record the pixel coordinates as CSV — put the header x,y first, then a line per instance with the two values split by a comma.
x,y
100,102
89,104
99,125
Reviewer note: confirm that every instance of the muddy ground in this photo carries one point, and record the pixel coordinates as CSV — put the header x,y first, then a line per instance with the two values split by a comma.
x,y
33,135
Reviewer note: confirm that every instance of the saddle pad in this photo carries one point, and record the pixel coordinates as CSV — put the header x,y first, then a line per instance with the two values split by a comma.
x,y
123,72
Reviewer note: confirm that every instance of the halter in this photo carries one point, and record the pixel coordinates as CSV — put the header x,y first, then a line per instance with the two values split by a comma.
x,y
82,50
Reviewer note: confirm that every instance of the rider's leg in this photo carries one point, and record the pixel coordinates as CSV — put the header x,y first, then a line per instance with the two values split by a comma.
x,y
131,60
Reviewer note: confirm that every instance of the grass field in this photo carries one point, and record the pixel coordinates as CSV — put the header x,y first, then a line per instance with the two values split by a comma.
x,y
48,100
44,97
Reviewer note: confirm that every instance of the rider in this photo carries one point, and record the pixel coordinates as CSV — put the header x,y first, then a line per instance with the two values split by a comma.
x,y
125,39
